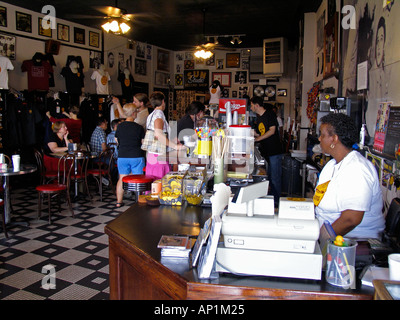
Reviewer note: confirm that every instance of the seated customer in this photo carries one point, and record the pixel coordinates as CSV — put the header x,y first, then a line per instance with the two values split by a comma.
x,y
72,122
129,136
348,193
56,142
98,142
111,137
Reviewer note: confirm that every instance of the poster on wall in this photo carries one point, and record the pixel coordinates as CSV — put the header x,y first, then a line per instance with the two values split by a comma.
x,y
7,46
196,79
381,126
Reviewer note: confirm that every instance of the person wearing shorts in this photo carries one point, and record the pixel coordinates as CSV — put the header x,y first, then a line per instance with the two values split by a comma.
x,y
129,136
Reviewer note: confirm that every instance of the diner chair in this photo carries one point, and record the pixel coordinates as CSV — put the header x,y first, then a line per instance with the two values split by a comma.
x,y
46,176
3,218
65,168
392,222
137,183
105,163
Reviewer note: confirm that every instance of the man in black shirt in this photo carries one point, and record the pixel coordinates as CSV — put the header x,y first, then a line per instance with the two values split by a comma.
x,y
267,135
195,111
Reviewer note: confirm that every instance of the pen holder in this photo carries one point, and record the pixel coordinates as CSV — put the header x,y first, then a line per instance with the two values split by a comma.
x,y
340,263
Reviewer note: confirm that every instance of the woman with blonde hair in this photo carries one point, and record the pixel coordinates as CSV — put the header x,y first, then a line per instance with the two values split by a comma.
x,y
129,137
56,142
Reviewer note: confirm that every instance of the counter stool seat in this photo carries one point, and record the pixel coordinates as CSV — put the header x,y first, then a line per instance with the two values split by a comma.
x,y
137,183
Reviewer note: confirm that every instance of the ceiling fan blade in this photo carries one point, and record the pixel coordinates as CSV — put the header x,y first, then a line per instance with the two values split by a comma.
x,y
110,11
141,16
82,16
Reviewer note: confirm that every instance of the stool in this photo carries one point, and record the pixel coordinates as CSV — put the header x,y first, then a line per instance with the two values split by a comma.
x,y
137,183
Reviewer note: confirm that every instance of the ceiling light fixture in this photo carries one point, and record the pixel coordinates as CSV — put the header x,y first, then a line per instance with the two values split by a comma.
x,y
236,40
203,54
116,26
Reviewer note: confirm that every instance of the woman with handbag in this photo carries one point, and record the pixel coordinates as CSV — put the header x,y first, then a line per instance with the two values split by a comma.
x,y
156,140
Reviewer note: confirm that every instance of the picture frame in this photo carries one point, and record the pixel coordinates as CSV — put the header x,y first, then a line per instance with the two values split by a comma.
x,y
281,93
94,39
220,63
62,32
79,35
224,78
330,46
44,32
141,67
7,46
162,60
3,16
232,60
161,78
23,21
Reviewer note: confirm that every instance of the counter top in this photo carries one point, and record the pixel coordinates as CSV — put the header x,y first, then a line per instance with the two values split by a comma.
x,y
134,236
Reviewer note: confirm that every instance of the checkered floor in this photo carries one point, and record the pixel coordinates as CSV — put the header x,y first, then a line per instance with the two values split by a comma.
x,y
77,248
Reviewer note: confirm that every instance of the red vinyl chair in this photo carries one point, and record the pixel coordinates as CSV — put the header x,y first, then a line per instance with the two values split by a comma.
x,y
46,176
104,164
62,185
137,183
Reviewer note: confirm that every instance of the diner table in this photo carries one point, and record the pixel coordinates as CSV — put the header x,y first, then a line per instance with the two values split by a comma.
x,y
79,155
6,173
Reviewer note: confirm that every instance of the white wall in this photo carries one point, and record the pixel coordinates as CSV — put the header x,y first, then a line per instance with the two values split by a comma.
x,y
27,44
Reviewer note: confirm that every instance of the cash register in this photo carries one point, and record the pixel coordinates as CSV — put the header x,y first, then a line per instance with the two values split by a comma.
x,y
257,241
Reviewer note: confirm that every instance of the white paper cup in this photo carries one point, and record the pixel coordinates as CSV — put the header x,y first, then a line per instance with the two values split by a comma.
x,y
394,266
16,162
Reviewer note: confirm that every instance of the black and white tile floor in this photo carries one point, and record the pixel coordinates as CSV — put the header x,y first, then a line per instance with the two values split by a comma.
x,y
76,248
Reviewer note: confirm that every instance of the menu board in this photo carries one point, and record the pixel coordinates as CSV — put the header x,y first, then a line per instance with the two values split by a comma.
x,y
393,131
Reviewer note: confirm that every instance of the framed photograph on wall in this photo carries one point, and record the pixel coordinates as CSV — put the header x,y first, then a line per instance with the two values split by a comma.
x,y
233,60
331,46
79,35
162,60
94,39
44,32
224,78
162,78
141,67
3,17
7,46
23,21
62,32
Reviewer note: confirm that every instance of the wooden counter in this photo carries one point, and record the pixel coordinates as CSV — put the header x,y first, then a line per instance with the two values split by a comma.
x,y
137,270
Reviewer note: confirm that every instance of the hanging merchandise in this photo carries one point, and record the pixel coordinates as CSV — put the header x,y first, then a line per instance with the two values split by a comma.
x,y
127,83
38,72
102,77
312,105
5,65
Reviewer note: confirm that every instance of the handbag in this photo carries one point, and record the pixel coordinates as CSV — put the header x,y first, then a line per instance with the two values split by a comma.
x,y
152,144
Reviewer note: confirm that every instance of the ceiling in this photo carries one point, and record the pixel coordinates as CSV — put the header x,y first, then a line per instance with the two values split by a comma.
x,y
178,24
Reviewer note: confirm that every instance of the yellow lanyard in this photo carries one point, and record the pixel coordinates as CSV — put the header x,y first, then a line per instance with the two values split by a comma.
x,y
320,192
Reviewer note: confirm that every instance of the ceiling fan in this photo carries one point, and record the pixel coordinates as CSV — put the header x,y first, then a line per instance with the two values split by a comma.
x,y
116,20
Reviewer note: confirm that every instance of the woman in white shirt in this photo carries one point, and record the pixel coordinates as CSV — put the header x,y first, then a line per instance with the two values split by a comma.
x,y
156,121
348,193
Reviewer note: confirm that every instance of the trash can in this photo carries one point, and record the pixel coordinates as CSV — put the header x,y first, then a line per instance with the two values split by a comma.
x,y
291,178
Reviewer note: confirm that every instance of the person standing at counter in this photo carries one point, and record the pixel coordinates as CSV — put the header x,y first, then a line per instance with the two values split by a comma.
x,y
129,137
194,112
157,123
348,194
267,134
